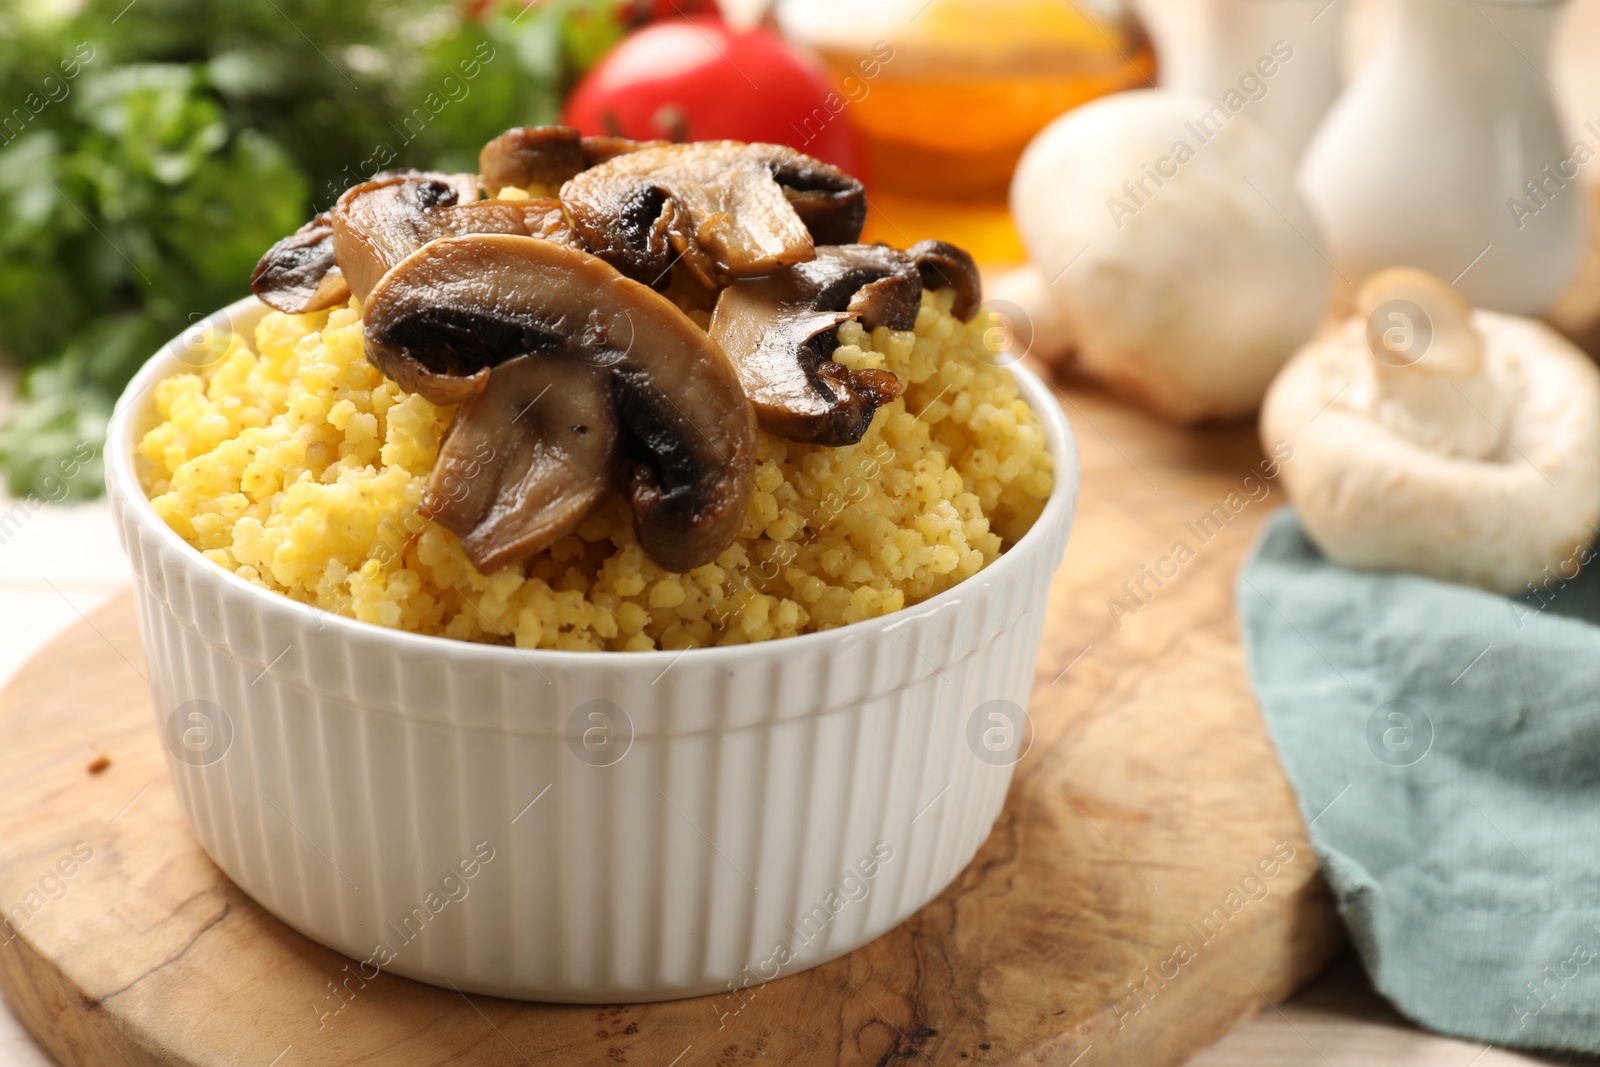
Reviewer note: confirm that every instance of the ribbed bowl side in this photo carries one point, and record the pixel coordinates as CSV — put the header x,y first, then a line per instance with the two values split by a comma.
x,y
675,870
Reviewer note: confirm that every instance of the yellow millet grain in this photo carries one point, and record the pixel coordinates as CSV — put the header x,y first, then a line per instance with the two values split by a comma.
x,y
299,467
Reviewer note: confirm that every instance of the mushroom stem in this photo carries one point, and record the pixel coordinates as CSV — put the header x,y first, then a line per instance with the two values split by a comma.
x,y
1415,319
1429,366
526,460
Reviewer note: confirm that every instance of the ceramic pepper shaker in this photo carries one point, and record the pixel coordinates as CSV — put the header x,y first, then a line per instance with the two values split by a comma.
x,y
1446,153
1280,57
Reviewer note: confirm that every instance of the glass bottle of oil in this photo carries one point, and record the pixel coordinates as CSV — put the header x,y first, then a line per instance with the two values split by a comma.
x,y
947,93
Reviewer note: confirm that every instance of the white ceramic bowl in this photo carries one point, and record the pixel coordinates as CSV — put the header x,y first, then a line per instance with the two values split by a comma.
x,y
585,827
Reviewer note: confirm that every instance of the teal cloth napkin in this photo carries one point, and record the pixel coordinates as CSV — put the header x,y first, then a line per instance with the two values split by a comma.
x,y
1445,746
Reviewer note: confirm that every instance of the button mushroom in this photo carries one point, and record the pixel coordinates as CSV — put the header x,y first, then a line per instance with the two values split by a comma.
x,y
831,205
531,156
459,308
944,266
379,223
597,150
526,460
1425,436
383,223
1185,264
780,332
298,274
546,156
301,273
728,210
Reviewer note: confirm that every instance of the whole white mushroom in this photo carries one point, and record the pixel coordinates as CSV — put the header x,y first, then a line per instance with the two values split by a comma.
x,y
1172,238
1429,437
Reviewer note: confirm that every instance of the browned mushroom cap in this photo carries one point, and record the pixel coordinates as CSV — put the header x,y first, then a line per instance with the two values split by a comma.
x,y
465,185
459,306
376,223
875,283
780,332
597,150
547,156
944,266
526,460
541,217
833,211
727,209
298,274
396,235
379,224
531,155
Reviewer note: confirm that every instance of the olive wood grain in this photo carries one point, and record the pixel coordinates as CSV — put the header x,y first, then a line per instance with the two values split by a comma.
x,y
1140,821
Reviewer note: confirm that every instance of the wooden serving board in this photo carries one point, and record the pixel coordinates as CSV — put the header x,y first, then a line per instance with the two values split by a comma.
x,y
1119,913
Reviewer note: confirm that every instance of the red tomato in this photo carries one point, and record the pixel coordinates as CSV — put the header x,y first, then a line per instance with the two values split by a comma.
x,y
695,79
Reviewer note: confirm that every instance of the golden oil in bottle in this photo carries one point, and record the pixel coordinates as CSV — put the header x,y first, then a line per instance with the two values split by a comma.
x,y
947,93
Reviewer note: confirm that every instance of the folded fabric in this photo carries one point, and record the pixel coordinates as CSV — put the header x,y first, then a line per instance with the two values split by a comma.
x,y
1445,746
